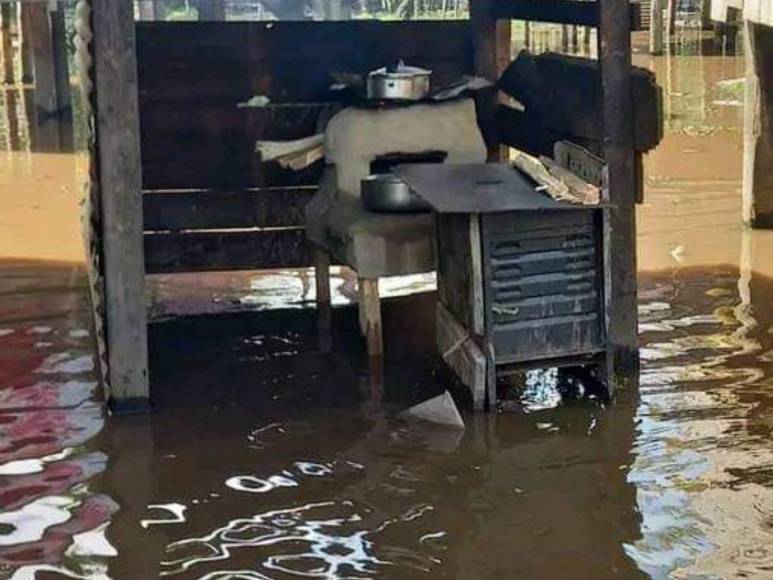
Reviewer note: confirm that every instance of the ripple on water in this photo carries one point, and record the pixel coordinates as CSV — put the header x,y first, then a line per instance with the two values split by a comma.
x,y
327,539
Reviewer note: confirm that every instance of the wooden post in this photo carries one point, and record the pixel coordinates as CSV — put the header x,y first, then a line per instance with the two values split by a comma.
x,y
322,276
211,9
614,45
758,127
27,64
656,27
670,20
586,41
120,184
61,63
6,44
370,316
491,46
12,119
324,307
44,129
149,10
565,38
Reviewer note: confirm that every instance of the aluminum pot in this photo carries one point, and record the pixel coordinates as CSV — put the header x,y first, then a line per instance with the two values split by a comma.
x,y
398,83
387,193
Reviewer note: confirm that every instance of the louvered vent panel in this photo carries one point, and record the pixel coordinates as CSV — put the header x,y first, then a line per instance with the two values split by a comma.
x,y
543,295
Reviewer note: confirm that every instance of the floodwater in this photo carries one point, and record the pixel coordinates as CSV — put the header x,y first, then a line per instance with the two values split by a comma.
x,y
267,458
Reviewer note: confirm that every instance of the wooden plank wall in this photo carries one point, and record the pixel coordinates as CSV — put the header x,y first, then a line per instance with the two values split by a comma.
x,y
193,74
209,204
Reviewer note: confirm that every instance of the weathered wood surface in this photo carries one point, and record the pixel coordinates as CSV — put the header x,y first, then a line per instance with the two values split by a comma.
x,y
224,250
461,352
322,277
491,52
370,316
61,63
257,208
554,11
43,57
27,64
454,268
120,186
562,94
185,144
149,9
193,74
656,28
619,126
6,43
758,127
210,10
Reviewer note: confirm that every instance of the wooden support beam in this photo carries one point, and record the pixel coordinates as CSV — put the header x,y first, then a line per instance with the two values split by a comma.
x,y
656,27
149,10
211,10
120,183
370,316
27,64
12,98
758,127
614,47
552,11
6,44
61,63
322,276
491,48
43,57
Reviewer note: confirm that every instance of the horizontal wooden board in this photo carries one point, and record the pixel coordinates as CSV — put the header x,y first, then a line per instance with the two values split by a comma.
x,y
239,250
555,11
191,210
226,62
577,12
192,75
184,145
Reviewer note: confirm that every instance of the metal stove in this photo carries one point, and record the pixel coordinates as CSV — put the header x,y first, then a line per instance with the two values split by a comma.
x,y
520,275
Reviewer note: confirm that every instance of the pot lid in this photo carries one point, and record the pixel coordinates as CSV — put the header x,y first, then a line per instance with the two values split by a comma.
x,y
400,70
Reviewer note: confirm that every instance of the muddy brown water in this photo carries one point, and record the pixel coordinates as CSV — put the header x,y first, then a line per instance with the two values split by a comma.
x,y
266,458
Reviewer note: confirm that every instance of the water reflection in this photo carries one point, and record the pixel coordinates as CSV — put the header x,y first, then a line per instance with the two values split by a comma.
x,y
268,458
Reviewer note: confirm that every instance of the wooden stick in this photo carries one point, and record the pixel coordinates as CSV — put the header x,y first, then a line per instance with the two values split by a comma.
x,y
580,190
534,169
370,316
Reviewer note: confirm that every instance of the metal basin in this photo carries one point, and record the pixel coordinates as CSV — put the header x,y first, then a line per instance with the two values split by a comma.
x,y
387,193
